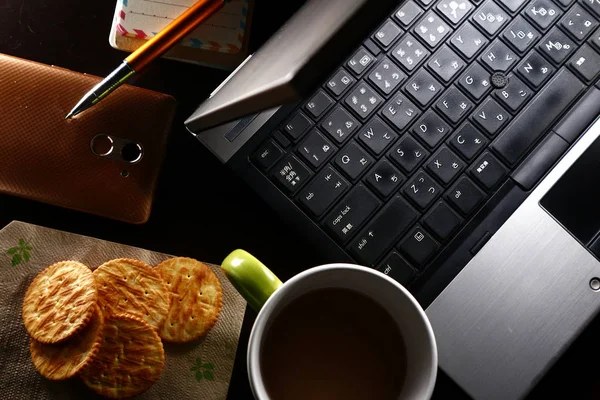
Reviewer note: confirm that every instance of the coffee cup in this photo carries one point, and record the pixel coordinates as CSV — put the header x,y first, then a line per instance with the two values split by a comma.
x,y
334,331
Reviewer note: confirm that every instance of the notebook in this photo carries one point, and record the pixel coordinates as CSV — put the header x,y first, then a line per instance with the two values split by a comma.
x,y
221,41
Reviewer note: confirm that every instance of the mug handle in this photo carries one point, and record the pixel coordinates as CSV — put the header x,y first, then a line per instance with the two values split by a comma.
x,y
251,278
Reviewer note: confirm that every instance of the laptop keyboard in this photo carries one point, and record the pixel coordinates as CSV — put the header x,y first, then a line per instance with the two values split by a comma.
x,y
409,137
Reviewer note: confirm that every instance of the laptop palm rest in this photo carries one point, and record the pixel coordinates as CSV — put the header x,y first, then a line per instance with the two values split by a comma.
x,y
516,307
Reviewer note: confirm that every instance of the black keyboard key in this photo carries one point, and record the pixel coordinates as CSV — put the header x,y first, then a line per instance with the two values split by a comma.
x,y
580,117
521,35
431,128
282,140
353,160
540,161
363,100
468,141
446,64
579,23
410,52
445,165
595,39
490,17
360,61
488,171
442,221
491,117
512,5
351,213
397,268
384,178
499,57
423,87
468,40
592,5
543,13
586,63
339,124
432,29
465,196
476,81
377,136
565,3
418,246
383,230
400,111
408,154
515,94
535,69
340,82
291,174
297,125
455,11
319,103
372,47
557,46
323,191
538,116
454,105
422,190
425,3
387,34
408,13
387,76
267,155
315,149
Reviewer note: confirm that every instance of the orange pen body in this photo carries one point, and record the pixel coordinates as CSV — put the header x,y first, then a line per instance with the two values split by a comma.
x,y
173,33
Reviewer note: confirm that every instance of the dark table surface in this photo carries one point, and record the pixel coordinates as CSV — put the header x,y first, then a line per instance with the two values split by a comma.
x,y
201,209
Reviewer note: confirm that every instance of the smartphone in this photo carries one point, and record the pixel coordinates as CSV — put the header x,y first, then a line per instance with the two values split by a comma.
x,y
104,161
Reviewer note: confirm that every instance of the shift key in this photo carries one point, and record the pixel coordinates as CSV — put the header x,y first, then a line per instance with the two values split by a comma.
x,y
383,230
351,213
534,121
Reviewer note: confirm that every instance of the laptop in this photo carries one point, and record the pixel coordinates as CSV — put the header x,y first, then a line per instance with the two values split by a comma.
x,y
450,144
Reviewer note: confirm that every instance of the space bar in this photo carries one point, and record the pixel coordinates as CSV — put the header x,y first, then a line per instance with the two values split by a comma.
x,y
536,118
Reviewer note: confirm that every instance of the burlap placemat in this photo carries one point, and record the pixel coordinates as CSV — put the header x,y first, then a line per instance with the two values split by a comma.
x,y
198,370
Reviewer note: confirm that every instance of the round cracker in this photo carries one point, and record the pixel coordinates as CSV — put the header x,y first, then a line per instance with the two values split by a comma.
x,y
59,302
132,287
130,359
196,299
64,360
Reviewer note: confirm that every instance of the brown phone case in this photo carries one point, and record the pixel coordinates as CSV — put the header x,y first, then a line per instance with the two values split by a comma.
x,y
49,159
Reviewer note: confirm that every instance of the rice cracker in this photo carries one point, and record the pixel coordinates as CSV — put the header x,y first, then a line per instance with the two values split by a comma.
x,y
130,359
59,302
196,299
64,360
132,287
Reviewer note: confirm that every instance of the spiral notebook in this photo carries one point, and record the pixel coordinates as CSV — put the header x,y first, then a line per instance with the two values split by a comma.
x,y
221,41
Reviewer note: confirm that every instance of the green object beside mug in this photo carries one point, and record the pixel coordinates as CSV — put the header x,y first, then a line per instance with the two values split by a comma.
x,y
267,295
251,278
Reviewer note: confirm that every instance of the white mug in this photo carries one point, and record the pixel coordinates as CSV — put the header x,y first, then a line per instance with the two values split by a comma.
x,y
268,295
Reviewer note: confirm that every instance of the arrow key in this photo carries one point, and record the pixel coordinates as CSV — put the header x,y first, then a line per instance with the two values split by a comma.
x,y
384,178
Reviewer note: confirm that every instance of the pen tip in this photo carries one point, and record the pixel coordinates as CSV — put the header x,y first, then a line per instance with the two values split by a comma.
x,y
69,115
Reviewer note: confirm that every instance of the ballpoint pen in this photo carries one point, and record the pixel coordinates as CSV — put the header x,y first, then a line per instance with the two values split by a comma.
x,y
152,49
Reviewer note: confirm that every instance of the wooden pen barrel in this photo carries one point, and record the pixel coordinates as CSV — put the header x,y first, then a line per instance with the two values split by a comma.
x,y
173,33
